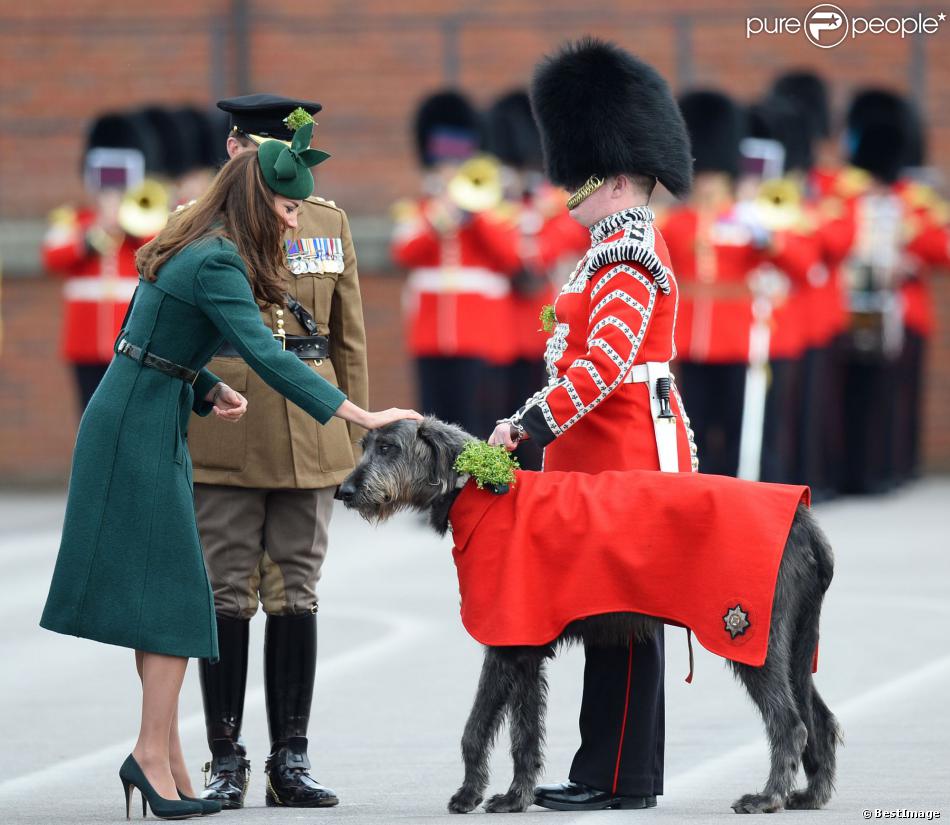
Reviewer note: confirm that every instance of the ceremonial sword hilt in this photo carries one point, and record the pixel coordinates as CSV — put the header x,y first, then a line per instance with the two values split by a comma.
x,y
663,394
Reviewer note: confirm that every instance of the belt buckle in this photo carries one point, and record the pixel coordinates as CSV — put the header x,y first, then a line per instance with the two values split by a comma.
x,y
282,337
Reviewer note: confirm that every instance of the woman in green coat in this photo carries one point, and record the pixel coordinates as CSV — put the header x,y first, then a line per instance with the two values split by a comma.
x,y
130,570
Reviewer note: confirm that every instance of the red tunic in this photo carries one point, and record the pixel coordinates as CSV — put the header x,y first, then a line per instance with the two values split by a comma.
x,y
617,310
457,297
713,258
97,291
689,548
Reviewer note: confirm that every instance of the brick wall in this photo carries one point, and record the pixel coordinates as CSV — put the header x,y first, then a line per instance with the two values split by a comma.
x,y
368,63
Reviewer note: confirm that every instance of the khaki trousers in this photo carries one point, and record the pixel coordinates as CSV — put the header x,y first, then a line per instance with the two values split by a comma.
x,y
263,546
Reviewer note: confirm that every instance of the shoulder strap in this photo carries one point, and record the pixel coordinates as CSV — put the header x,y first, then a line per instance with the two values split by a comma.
x,y
306,319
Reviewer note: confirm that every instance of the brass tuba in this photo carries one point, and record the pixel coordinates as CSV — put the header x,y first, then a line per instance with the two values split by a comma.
x,y
477,185
143,212
778,204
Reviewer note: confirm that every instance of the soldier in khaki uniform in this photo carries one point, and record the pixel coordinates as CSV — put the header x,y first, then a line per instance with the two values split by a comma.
x,y
264,490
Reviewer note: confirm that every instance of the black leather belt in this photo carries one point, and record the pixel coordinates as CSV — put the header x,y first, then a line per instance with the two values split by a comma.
x,y
163,365
305,347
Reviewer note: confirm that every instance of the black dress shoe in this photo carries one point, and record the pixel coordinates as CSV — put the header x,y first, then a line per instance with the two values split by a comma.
x,y
575,796
229,775
289,782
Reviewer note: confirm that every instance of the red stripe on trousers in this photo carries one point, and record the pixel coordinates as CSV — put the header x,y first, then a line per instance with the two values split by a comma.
x,y
623,726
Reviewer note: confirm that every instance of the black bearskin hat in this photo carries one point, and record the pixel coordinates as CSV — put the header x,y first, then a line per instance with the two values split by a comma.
x,y
880,132
715,126
511,134
810,94
446,128
176,146
123,131
779,118
601,111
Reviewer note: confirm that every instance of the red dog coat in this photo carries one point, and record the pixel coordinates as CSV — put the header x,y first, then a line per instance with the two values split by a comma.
x,y
697,550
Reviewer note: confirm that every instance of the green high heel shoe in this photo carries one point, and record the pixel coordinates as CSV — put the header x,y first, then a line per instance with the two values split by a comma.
x,y
133,776
208,806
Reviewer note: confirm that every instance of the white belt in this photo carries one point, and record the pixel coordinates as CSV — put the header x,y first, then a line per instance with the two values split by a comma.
x,y
95,288
459,280
664,429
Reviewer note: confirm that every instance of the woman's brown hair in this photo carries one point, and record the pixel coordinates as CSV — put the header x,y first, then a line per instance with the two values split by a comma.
x,y
240,207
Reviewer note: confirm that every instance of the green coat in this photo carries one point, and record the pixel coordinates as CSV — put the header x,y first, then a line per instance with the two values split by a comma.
x,y
130,570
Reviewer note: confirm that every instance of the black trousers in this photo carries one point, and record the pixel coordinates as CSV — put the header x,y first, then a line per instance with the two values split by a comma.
x,y
452,389
909,406
622,719
818,422
870,414
779,432
713,395
88,377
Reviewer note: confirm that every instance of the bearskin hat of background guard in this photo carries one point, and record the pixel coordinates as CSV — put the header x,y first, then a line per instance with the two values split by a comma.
x,y
780,118
715,125
601,111
810,93
880,126
446,128
511,134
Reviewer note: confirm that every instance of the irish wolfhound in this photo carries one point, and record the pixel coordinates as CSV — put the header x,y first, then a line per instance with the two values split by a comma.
x,y
410,465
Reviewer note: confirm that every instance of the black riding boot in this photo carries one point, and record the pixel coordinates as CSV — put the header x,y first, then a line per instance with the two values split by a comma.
x,y
222,691
290,662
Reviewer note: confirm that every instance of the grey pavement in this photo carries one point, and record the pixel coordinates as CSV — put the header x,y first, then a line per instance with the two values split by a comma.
x,y
397,673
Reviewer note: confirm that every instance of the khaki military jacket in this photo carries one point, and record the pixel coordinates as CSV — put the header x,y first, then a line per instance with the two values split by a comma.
x,y
276,445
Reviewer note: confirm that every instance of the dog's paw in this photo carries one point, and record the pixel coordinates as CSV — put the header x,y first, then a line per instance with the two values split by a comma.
x,y
757,803
508,803
802,801
464,801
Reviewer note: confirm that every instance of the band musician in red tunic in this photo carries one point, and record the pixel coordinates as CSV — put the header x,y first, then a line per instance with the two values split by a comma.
x,y
611,130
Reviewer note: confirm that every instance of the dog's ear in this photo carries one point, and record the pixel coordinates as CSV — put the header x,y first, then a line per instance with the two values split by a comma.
x,y
437,440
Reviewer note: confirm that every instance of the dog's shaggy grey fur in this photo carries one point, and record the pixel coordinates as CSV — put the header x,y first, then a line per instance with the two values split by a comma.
x,y
410,465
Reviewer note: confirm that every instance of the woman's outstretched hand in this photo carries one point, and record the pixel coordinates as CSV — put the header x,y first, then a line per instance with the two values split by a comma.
x,y
375,420
348,411
229,405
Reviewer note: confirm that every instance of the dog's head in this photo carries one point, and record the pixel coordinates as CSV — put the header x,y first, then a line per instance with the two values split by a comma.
x,y
407,464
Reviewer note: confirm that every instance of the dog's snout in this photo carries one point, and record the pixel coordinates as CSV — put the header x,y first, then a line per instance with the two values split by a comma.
x,y
346,491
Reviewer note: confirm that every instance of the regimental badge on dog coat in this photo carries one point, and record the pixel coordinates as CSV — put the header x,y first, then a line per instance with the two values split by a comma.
x,y
701,551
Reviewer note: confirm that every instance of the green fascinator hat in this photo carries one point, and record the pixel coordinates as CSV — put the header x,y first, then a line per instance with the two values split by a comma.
x,y
286,168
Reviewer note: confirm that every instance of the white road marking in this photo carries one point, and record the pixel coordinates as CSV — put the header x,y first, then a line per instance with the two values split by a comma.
x,y
847,712
403,631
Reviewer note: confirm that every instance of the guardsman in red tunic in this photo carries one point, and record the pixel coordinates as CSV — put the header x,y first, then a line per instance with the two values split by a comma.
x,y
549,242
824,300
894,245
611,130
778,205
716,244
94,254
461,256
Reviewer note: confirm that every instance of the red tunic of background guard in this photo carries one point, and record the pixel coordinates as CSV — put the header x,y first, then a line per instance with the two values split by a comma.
x,y
685,547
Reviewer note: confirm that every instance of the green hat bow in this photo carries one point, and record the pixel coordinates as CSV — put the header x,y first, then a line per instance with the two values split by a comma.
x,y
286,168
